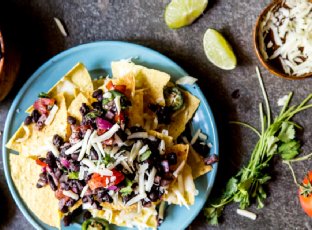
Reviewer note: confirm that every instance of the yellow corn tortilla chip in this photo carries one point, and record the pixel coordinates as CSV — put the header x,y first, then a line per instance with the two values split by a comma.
x,y
197,163
168,139
185,186
25,174
32,146
97,83
76,80
146,218
181,150
136,109
182,117
119,206
74,108
152,80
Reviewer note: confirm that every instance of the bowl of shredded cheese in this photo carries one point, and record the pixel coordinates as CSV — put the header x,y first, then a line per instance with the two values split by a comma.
x,y
283,38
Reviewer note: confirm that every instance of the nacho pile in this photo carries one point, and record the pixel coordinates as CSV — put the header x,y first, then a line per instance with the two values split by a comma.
x,y
109,147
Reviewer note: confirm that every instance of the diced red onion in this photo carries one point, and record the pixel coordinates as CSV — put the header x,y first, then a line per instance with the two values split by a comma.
x,y
65,162
113,187
165,165
44,169
109,115
211,159
103,124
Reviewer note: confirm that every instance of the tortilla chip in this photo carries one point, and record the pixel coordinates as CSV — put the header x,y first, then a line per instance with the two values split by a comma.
x,y
129,81
168,139
197,163
152,80
182,117
32,146
119,206
136,109
97,83
181,150
146,218
186,188
25,174
76,80
73,109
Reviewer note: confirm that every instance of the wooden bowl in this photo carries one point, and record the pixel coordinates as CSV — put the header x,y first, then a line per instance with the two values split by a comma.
x,y
9,66
269,66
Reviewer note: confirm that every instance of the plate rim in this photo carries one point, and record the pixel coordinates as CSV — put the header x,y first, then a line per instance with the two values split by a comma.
x,y
5,152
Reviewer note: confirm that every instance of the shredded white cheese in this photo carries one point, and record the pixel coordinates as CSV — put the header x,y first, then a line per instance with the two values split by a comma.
x,y
186,80
150,180
117,103
84,145
52,148
84,190
179,169
26,136
140,135
247,214
71,194
73,148
282,101
136,199
60,26
51,116
108,134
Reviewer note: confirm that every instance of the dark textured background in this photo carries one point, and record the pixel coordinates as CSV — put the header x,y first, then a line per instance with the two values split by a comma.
x,y
31,26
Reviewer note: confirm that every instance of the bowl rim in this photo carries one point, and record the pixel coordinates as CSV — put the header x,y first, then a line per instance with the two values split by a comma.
x,y
277,72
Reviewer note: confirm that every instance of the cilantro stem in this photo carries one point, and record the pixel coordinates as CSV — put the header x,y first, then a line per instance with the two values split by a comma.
x,y
306,157
268,109
292,172
247,126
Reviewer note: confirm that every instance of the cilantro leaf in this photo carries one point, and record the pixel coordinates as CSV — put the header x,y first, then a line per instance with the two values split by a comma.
x,y
287,132
289,150
125,191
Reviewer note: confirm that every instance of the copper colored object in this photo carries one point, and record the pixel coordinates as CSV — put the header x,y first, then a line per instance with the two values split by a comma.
x,y
269,66
9,66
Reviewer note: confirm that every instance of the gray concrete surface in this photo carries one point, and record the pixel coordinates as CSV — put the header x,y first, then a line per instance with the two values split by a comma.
x,y
30,23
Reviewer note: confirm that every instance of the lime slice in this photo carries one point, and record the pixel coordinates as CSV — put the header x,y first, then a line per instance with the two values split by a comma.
x,y
218,50
181,13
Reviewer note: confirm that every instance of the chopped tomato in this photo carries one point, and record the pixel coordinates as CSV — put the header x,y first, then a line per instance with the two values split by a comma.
x,y
41,163
98,181
305,194
59,194
120,88
42,104
119,118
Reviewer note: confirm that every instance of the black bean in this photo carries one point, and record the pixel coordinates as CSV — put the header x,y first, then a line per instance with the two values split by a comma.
x,y
51,183
58,141
79,185
85,199
97,92
172,158
28,120
75,190
122,135
84,109
153,196
74,167
100,97
71,120
165,166
74,156
62,185
41,183
50,160
64,178
70,202
87,215
146,204
200,148
97,105
58,173
135,129
67,220
94,155
35,115
62,206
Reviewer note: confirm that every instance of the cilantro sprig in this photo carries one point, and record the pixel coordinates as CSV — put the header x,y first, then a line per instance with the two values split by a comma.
x,y
275,137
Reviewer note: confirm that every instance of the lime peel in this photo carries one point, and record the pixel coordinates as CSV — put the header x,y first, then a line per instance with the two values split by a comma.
x,y
218,51
181,13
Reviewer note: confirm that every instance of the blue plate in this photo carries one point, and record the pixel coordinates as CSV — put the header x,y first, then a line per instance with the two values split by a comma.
x,y
97,57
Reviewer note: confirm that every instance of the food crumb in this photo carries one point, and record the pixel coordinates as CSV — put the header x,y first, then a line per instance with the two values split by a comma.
x,y
60,26
17,110
235,94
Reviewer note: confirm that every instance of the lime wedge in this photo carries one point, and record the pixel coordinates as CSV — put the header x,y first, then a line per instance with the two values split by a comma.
x,y
218,50
181,13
